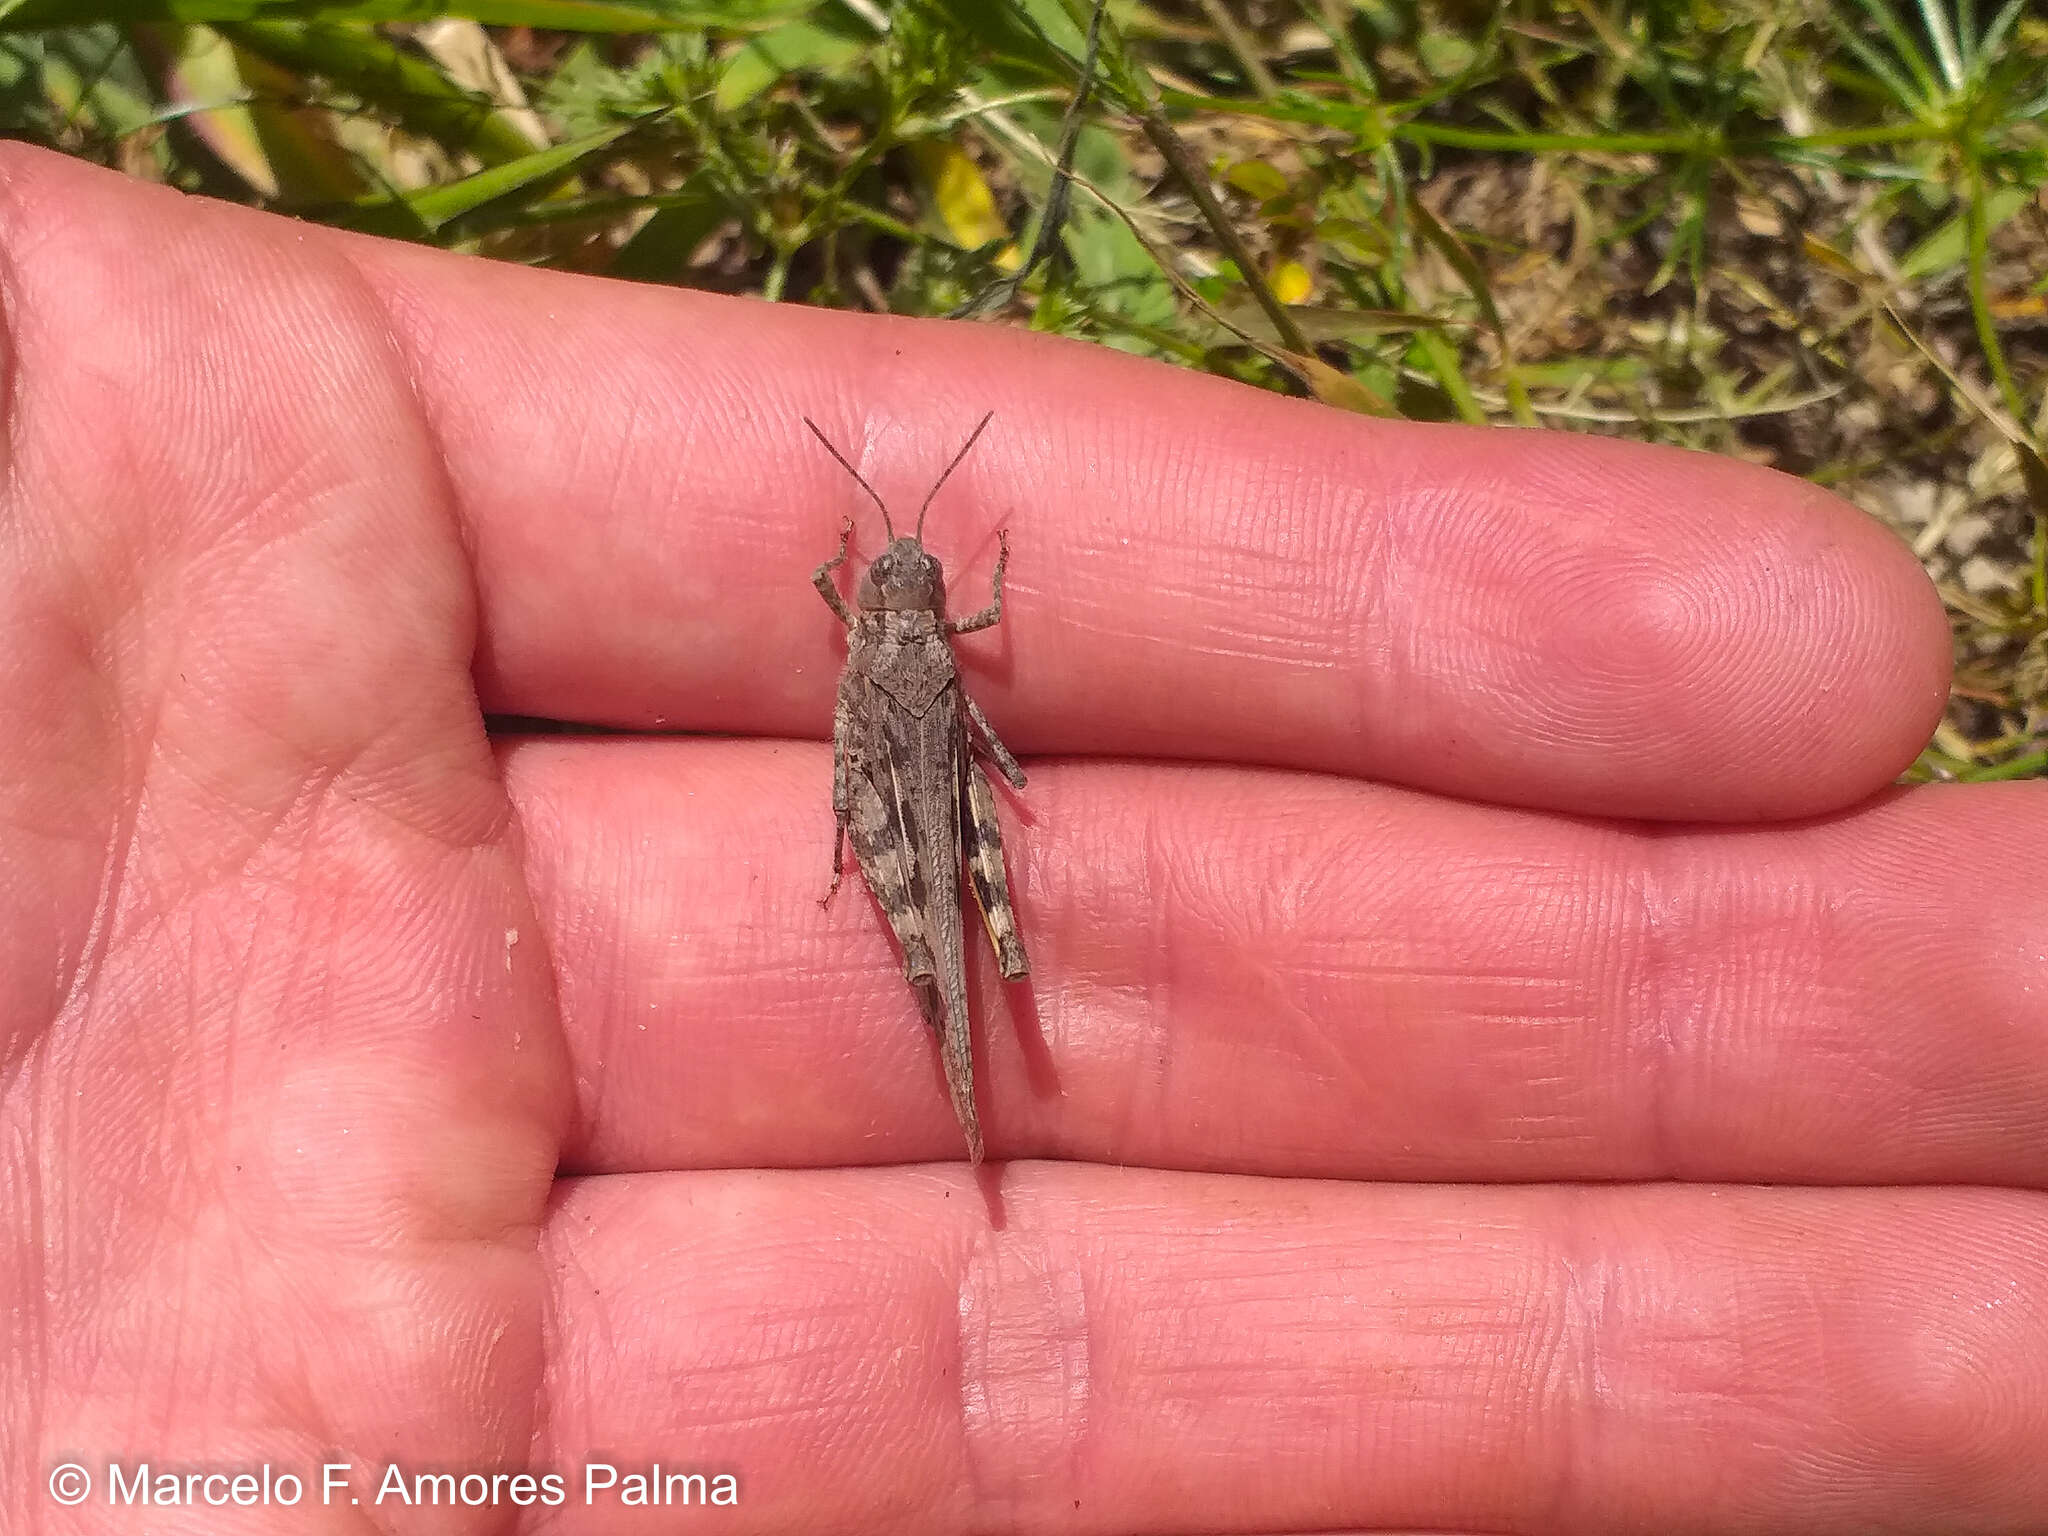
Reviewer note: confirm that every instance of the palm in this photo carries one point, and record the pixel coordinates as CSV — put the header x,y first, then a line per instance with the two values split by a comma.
x,y
285,1100
380,1095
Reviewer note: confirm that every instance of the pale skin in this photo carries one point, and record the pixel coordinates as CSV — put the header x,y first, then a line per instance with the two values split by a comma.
x,y
1490,825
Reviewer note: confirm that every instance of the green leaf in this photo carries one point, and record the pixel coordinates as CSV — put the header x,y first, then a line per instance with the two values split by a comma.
x,y
413,91
1949,245
90,79
794,48
1255,178
1446,54
240,109
1015,36
1044,40
1108,257
432,207
660,249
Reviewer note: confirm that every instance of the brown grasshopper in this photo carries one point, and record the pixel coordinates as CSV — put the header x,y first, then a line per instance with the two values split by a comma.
x,y
905,785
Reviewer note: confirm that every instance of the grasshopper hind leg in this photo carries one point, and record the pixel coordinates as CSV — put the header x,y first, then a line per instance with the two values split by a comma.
x,y
891,872
981,837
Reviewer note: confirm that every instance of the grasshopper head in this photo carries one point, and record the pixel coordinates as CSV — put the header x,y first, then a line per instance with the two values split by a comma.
x,y
904,577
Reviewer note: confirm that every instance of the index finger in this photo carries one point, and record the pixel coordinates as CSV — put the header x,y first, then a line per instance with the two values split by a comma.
x,y
1199,569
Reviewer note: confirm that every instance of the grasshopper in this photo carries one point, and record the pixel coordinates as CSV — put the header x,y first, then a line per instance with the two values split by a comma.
x,y
906,788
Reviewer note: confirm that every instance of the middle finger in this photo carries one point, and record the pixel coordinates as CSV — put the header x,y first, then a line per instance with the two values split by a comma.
x,y
1282,973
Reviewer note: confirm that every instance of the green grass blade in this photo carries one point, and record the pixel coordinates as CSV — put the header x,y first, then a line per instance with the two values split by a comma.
x,y
1980,300
432,207
1441,359
2027,767
1473,275
561,15
1944,39
1922,99
1993,41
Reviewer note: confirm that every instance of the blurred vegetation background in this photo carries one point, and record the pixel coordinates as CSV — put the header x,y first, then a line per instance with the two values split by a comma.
x,y
1812,234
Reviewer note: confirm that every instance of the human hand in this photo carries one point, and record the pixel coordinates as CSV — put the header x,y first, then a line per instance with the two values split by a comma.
x,y
1674,1111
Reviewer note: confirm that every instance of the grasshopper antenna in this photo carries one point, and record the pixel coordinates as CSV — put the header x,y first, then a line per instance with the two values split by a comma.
x,y
887,526
976,433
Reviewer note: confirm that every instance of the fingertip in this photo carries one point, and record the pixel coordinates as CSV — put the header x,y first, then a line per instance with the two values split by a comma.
x,y
1660,633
